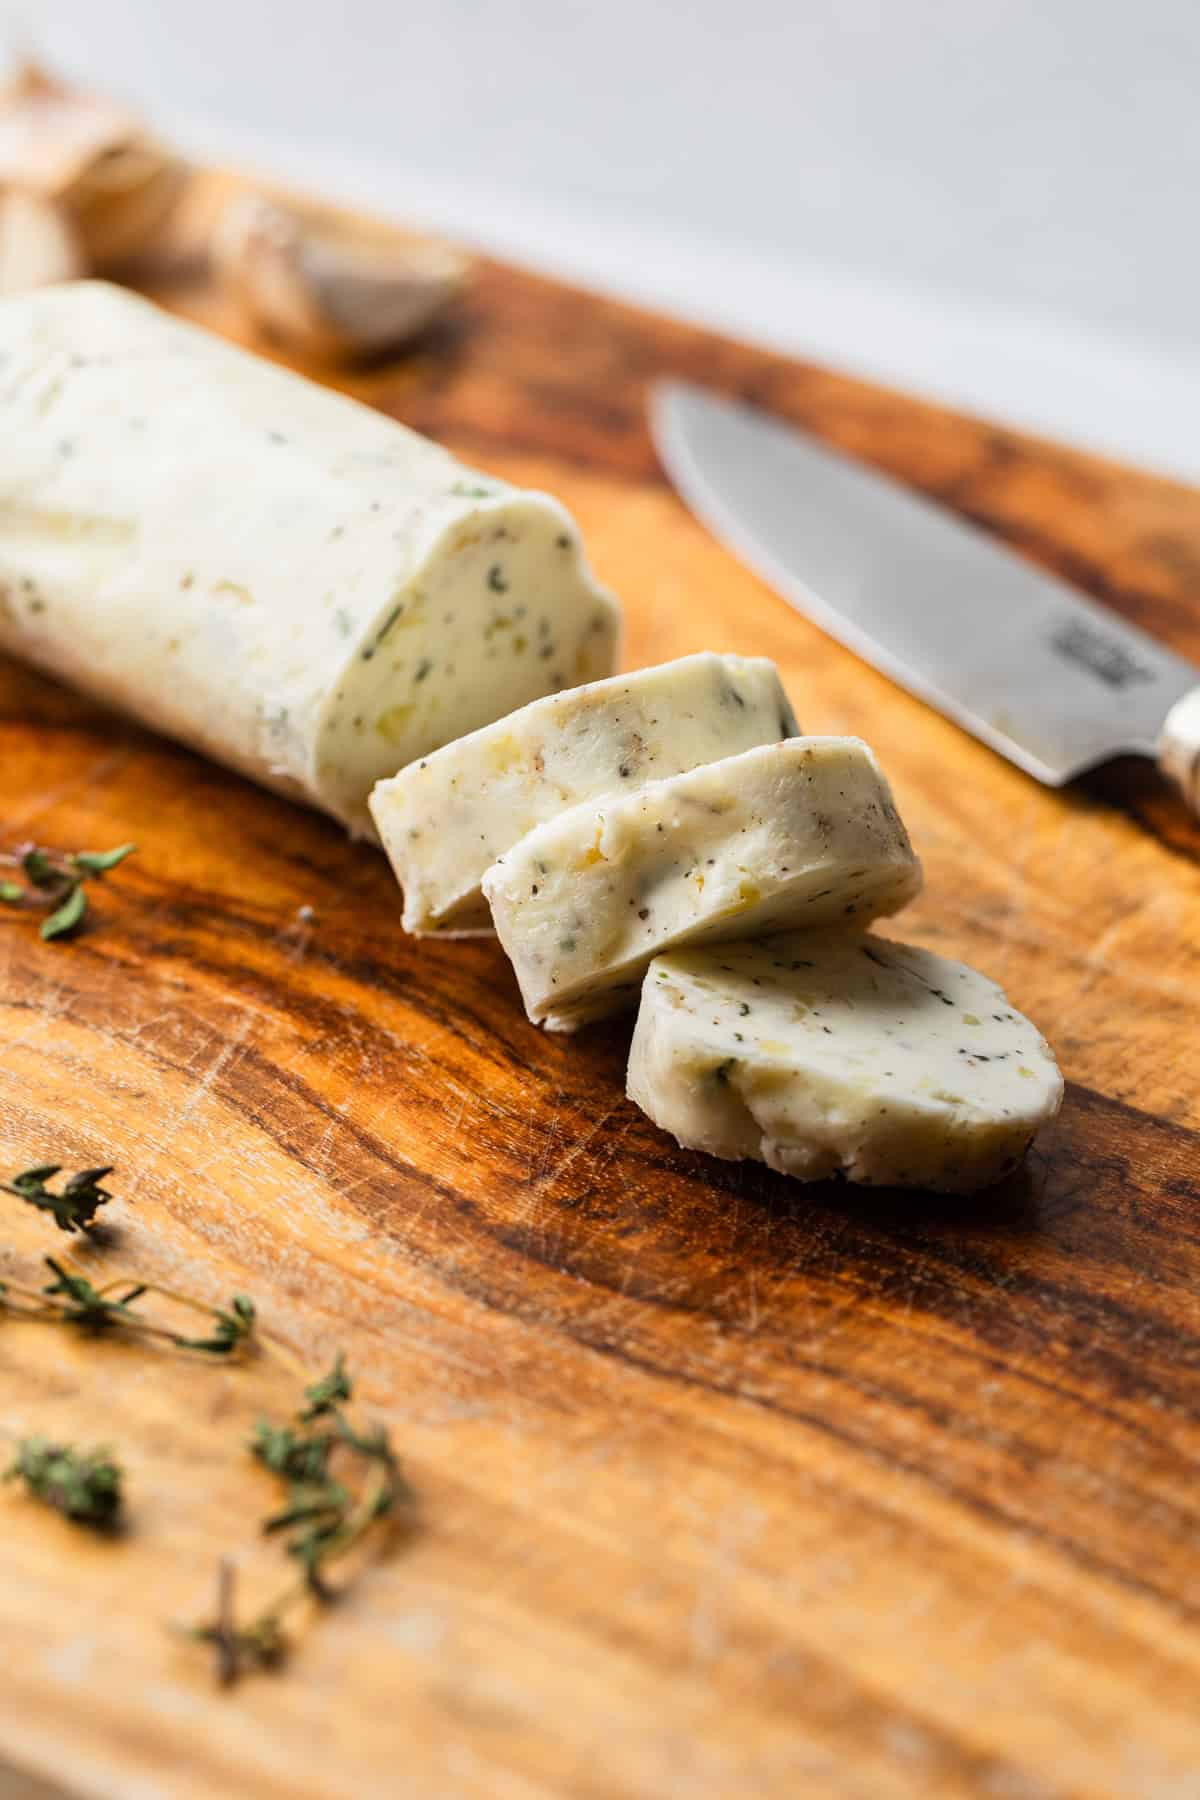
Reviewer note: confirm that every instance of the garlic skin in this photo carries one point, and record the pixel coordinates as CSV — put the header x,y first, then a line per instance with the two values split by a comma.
x,y
38,244
328,288
122,199
114,182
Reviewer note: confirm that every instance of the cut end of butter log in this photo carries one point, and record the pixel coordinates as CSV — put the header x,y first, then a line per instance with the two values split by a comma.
x,y
277,575
797,834
446,818
842,1055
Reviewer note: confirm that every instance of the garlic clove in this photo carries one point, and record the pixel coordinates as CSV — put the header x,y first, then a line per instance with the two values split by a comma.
x,y
38,244
113,178
122,198
329,287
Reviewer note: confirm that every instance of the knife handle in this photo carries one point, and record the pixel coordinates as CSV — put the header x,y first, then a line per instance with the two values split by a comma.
x,y
1179,747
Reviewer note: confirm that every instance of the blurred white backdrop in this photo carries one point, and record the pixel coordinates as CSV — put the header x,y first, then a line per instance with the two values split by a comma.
x,y
993,201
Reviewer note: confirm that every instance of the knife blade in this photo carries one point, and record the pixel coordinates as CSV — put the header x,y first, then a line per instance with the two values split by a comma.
x,y
1025,662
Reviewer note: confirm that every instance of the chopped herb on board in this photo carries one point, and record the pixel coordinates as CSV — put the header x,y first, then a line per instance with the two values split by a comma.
x,y
261,1645
83,1485
56,882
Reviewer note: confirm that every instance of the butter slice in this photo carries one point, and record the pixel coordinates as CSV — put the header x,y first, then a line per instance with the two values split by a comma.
x,y
801,833
445,819
842,1055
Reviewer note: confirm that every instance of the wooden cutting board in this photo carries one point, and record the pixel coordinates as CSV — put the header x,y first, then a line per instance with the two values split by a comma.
x,y
728,1486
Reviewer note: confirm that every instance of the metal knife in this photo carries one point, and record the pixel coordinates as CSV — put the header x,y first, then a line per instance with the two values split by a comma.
x,y
1025,662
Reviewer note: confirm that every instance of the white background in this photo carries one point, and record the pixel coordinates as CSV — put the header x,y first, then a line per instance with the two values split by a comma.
x,y
992,200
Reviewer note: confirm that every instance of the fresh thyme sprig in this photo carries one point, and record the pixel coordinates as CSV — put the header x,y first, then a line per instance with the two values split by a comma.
x,y
261,1645
57,881
326,1515
72,1300
78,1302
342,1484
75,1206
83,1485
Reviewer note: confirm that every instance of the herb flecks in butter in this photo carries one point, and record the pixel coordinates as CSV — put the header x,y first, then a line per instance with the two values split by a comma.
x,y
550,754
851,1066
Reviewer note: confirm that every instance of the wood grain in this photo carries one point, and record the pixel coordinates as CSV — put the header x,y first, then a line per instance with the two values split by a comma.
x,y
728,1486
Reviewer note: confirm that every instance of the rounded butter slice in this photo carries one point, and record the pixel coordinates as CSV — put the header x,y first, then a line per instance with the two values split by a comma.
x,y
842,1054
803,833
446,818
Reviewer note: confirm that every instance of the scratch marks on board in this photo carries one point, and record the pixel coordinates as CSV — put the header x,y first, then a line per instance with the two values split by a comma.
x,y
228,1052
557,1166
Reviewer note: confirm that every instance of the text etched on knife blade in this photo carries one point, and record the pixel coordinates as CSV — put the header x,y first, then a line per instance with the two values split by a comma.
x,y
1090,648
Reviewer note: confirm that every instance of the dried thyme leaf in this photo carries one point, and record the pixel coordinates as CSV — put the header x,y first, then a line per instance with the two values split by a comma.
x,y
67,917
98,862
324,1395
57,881
39,870
233,1328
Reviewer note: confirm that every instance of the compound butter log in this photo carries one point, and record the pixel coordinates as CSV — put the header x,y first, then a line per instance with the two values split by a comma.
x,y
270,572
